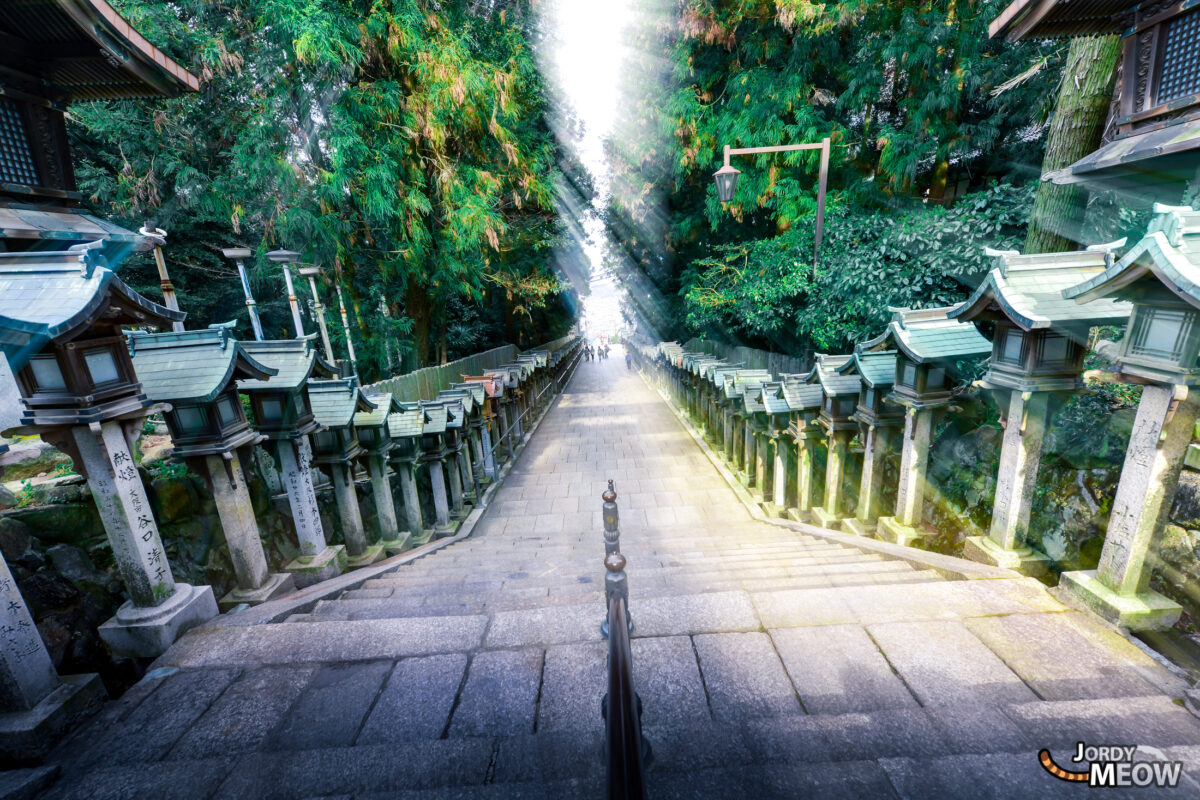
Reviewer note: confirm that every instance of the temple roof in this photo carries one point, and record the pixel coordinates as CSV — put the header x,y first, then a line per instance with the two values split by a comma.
x,y
385,405
1170,251
1028,290
49,295
336,401
85,50
1050,19
877,368
409,421
926,334
295,361
1155,157
828,373
191,365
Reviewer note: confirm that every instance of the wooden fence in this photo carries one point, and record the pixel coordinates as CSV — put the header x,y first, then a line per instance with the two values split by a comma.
x,y
777,363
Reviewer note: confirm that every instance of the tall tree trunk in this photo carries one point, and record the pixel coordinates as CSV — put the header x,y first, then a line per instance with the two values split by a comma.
x,y
1075,130
418,306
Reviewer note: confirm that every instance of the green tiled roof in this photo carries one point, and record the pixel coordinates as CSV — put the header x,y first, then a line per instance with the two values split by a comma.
x,y
877,368
334,402
717,375
385,405
44,295
833,382
1170,251
294,361
773,399
409,421
466,398
752,399
736,383
191,365
1028,289
924,335
476,388
435,417
455,413
801,395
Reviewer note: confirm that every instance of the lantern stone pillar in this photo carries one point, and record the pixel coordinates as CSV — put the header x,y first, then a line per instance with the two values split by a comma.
x,y
910,495
764,460
466,470
877,444
454,478
36,706
829,513
727,432
390,538
255,582
1020,454
441,503
778,500
317,560
805,477
159,610
749,454
1119,589
359,552
412,503
488,456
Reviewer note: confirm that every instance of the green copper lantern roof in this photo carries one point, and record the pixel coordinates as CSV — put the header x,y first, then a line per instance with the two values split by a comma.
x,y
924,335
1170,251
832,380
877,368
752,399
773,399
192,366
736,383
1028,290
456,415
335,402
48,295
384,406
409,421
435,417
294,362
801,395
467,399
476,388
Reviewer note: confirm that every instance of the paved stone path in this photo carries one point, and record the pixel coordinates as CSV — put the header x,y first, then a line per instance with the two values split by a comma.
x,y
773,662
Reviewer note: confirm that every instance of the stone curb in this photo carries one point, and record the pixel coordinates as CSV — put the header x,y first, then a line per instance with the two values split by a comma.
x,y
303,601
948,567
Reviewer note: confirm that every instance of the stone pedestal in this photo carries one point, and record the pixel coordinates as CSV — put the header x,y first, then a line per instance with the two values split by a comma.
x,y
489,458
36,708
749,455
255,583
1021,453
317,561
764,460
877,444
159,610
1119,589
831,511
910,496
359,552
727,436
390,536
455,479
805,478
777,504
441,503
412,503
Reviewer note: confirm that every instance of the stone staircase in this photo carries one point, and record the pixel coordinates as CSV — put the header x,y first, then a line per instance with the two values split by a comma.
x,y
773,662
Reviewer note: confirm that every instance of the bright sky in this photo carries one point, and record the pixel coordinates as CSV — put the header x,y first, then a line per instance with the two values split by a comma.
x,y
585,53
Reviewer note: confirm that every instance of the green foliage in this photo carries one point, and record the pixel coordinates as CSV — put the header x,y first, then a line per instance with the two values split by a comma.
x,y
167,469
26,495
63,469
764,289
400,144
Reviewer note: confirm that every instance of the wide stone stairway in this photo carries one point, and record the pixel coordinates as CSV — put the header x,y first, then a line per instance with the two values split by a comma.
x,y
772,660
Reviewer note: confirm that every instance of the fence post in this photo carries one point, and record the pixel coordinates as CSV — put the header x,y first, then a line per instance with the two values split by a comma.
x,y
615,582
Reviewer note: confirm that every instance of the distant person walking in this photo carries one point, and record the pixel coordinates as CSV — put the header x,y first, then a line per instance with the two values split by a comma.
x,y
628,360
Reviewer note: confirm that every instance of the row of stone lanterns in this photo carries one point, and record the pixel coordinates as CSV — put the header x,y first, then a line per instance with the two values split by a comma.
x,y
1030,318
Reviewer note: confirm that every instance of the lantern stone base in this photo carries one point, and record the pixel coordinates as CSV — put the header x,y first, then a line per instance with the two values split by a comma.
x,y
421,538
394,547
28,735
892,530
858,527
1148,611
1025,561
775,511
277,584
449,529
825,519
137,632
307,570
799,515
373,553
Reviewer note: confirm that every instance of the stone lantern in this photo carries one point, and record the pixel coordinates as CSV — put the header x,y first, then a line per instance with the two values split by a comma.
x,y
839,390
1039,341
478,420
804,405
928,347
434,450
195,372
777,413
733,395
1161,277
61,319
406,426
283,414
336,449
722,410
877,421
464,434
485,389
375,437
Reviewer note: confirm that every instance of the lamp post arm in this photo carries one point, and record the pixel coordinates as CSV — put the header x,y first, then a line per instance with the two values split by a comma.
x,y
779,148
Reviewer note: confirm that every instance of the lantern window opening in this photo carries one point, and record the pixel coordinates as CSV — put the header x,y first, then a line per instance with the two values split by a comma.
x,y
229,410
191,419
935,378
1054,349
47,376
1012,347
908,374
272,409
1163,333
101,366
1179,71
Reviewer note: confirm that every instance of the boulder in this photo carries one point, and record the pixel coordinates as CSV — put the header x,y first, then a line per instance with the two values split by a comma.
x,y
47,592
73,523
7,498
73,563
174,499
30,459
1186,510
15,538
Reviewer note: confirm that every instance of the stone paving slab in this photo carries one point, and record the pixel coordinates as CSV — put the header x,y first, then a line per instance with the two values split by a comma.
x,y
574,679
500,695
168,780
332,707
546,626
667,676
727,660
695,613
943,664
838,669
416,700
294,643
